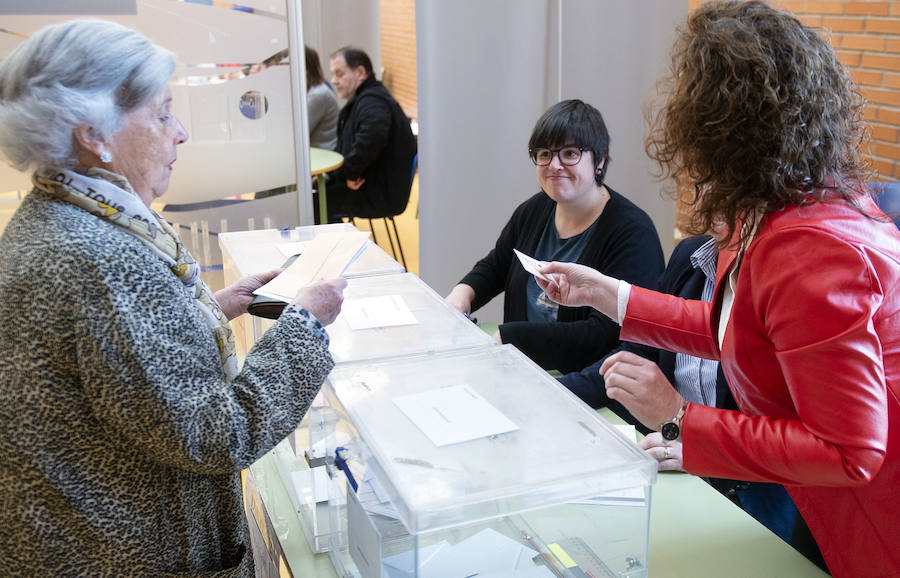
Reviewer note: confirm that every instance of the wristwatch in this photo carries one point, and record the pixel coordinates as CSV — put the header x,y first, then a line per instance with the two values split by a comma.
x,y
671,429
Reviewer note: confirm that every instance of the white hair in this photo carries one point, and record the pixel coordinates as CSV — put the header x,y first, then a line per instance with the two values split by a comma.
x,y
77,73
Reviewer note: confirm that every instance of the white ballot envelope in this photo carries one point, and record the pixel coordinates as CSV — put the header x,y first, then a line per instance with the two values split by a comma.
x,y
325,257
380,311
532,265
450,415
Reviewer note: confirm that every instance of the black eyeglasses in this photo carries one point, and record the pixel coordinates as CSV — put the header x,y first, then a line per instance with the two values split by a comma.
x,y
567,155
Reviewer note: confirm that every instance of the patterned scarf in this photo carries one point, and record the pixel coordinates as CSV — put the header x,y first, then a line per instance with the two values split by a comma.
x,y
110,197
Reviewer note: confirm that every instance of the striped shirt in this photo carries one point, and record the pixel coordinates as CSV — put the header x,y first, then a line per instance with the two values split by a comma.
x,y
695,378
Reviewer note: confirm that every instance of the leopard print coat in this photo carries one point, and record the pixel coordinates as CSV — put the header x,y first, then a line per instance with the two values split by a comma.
x,y
121,441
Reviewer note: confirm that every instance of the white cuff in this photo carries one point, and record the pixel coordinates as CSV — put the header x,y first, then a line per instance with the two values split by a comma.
x,y
622,300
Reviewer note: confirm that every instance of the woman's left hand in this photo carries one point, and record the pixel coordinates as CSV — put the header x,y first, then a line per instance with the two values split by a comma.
x,y
667,454
640,386
235,298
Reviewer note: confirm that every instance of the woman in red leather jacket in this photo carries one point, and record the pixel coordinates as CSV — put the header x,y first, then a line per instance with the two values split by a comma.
x,y
765,122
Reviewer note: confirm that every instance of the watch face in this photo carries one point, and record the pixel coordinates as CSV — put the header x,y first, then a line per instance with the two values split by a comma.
x,y
670,431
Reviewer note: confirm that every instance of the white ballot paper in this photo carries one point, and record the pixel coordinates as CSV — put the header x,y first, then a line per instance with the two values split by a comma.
x,y
531,265
454,414
382,311
326,257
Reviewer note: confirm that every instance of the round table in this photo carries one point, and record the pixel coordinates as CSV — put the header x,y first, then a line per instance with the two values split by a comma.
x,y
322,161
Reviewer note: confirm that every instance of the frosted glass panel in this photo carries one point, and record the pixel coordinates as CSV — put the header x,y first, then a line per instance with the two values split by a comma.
x,y
237,170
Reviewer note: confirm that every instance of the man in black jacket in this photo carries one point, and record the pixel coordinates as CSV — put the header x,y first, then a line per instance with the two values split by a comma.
x,y
376,140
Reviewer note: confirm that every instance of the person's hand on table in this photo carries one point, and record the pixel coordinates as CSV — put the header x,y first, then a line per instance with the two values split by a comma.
x,y
576,285
460,297
640,386
355,184
235,298
323,299
667,454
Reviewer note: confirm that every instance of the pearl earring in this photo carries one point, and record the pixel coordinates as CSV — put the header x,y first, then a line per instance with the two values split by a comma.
x,y
105,157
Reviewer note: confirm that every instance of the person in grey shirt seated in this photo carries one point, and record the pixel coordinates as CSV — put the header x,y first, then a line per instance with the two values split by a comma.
x,y
321,105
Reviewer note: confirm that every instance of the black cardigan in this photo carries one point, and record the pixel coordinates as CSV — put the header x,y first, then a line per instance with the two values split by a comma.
x,y
624,245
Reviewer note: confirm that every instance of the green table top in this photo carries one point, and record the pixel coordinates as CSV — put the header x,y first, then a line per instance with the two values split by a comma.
x,y
323,160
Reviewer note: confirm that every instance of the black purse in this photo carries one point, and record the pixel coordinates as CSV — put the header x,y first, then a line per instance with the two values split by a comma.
x,y
268,307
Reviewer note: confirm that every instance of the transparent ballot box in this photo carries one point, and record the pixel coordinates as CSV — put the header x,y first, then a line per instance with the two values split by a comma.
x,y
424,321
427,324
477,462
249,252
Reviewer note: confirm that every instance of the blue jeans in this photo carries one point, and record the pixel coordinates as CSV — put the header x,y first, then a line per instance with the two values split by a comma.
x,y
772,507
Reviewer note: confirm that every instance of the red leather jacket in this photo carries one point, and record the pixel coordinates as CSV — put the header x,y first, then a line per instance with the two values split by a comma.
x,y
812,356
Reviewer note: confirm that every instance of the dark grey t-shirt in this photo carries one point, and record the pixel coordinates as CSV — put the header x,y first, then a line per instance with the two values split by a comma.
x,y
539,307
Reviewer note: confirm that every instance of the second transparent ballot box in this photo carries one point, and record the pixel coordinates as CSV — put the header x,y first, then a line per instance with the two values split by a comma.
x,y
477,462
382,316
393,315
250,252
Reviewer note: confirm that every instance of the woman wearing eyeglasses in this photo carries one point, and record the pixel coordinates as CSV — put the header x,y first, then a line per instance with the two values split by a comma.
x,y
575,218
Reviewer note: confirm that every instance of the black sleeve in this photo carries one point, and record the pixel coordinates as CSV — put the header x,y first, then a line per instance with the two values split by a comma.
x,y
590,387
372,118
584,335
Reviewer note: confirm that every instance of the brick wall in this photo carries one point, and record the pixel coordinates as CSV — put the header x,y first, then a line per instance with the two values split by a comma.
x,y
398,52
866,35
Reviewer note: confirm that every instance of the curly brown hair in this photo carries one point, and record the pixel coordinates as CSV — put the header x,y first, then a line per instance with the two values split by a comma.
x,y
758,114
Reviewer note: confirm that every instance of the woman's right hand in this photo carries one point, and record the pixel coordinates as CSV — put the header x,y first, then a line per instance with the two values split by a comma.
x,y
461,298
576,285
323,299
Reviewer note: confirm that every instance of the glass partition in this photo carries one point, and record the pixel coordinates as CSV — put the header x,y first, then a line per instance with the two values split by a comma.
x,y
232,91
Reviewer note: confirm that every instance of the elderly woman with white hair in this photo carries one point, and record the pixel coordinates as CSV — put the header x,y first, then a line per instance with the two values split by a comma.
x,y
124,420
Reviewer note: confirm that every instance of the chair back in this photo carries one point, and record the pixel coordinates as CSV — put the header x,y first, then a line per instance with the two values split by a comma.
x,y
887,195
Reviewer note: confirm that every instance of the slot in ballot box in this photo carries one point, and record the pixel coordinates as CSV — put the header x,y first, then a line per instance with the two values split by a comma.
x,y
476,462
250,252
381,316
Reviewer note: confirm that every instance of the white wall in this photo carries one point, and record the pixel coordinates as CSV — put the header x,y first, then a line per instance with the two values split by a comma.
x,y
486,71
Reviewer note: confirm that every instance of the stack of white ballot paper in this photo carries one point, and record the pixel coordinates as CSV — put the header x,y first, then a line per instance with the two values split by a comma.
x,y
325,257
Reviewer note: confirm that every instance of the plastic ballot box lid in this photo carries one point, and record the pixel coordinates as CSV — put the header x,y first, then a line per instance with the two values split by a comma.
x,y
459,436
393,315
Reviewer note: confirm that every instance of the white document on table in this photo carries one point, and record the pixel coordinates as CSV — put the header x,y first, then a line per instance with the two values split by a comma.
x,y
531,265
382,311
450,415
326,257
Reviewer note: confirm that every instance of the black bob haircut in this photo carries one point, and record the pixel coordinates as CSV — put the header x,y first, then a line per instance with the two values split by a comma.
x,y
573,122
